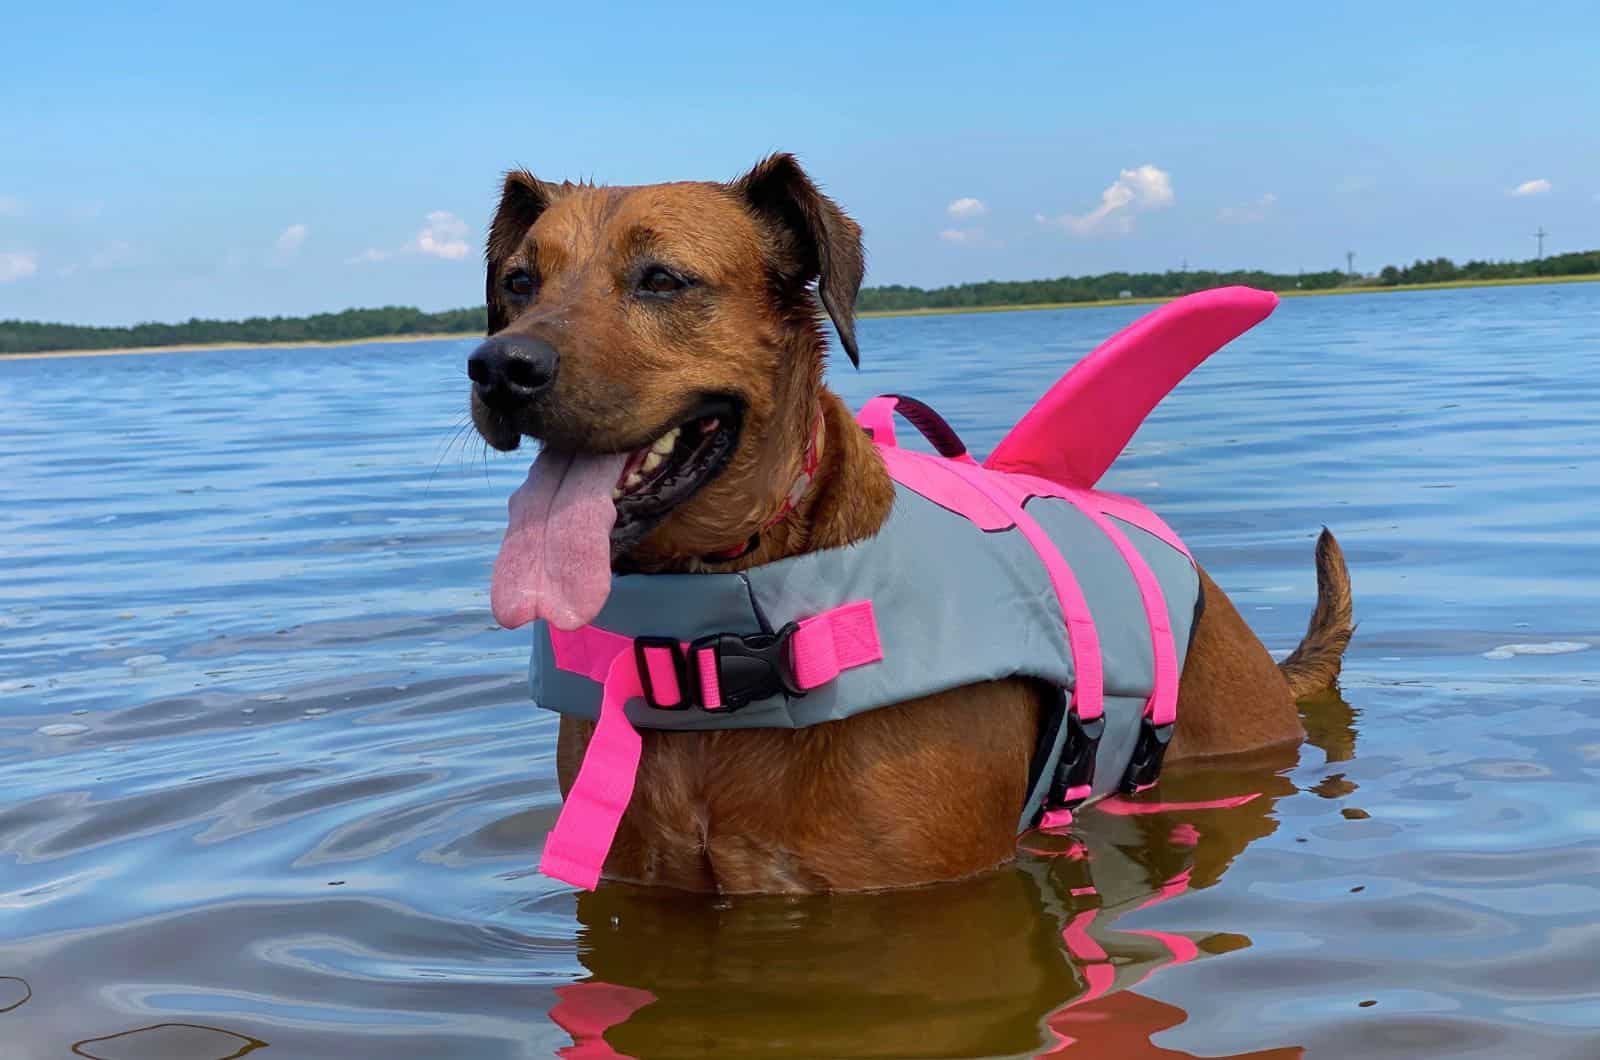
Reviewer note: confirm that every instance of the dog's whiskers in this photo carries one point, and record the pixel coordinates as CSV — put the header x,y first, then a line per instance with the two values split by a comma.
x,y
461,428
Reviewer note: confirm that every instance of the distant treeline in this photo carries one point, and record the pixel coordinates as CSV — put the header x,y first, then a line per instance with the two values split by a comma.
x,y
1114,285
18,336
21,336
1106,287
1443,270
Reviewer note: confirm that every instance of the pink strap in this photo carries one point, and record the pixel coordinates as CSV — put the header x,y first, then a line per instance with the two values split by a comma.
x,y
1162,706
587,650
934,478
823,647
710,684
1088,696
1096,505
877,417
1133,513
663,676
833,642
576,849
1058,818
575,852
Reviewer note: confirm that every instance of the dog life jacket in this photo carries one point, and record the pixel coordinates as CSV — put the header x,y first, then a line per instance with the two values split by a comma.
x,y
1015,568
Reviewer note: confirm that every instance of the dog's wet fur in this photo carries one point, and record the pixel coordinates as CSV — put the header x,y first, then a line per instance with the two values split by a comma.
x,y
659,301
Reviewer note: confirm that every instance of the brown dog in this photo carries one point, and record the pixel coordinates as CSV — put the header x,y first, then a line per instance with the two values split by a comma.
x,y
685,314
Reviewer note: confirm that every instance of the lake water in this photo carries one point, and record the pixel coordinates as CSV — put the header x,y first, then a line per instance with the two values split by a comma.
x,y
269,780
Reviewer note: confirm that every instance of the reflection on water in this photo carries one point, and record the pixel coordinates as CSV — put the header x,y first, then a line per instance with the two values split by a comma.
x,y
1027,961
14,992
269,779
169,1040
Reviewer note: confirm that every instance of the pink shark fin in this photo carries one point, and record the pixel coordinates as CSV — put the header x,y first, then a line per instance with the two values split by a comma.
x,y
1079,427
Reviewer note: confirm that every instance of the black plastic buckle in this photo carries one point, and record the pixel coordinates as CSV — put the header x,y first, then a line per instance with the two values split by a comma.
x,y
1075,769
1144,768
679,665
750,667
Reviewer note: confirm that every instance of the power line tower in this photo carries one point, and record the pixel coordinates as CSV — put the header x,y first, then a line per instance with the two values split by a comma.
x,y
1539,235
1350,263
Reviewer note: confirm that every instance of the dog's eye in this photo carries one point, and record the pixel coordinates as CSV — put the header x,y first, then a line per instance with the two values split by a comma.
x,y
657,280
519,283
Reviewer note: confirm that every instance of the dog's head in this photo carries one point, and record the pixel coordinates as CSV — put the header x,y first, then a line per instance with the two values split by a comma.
x,y
672,328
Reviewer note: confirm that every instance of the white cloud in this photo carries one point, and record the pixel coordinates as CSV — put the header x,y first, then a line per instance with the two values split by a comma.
x,y
1250,212
1532,187
292,239
17,265
969,237
1134,191
444,236
11,206
966,208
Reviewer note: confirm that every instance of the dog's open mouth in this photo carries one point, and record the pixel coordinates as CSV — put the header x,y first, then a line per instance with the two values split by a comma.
x,y
662,475
578,511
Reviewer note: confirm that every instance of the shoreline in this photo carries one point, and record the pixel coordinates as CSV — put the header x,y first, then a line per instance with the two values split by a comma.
x,y
196,347
1105,303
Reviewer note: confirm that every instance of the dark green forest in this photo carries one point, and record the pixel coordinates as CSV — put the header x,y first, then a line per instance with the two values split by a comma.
x,y
1443,270
20,336
1111,285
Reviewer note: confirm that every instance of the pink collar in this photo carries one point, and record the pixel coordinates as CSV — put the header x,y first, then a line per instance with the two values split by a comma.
x,y
791,500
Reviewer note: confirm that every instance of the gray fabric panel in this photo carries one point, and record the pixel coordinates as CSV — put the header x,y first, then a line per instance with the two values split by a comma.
x,y
1113,595
986,612
954,606
1116,749
685,606
1041,786
1123,714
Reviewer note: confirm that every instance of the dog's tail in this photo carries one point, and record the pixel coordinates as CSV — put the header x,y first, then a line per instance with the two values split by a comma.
x,y
1314,665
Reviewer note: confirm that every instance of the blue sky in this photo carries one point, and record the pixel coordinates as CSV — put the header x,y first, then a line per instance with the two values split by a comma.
x,y
225,160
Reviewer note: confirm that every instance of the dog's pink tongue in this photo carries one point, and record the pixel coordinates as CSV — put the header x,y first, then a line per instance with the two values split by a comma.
x,y
555,561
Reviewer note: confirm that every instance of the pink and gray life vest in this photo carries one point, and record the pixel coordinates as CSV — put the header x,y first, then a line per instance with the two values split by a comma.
x,y
1013,568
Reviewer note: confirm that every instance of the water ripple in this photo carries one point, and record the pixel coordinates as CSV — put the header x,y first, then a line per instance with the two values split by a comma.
x,y
269,777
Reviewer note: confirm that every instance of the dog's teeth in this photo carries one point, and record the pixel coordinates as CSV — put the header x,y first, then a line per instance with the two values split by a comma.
x,y
632,481
651,462
664,444
616,493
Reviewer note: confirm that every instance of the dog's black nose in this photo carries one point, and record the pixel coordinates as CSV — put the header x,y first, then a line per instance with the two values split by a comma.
x,y
510,372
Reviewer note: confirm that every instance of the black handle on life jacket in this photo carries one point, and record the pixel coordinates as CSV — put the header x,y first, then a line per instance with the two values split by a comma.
x,y
943,437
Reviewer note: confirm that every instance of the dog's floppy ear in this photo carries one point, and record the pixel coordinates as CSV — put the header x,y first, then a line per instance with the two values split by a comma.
x,y
826,245
522,200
